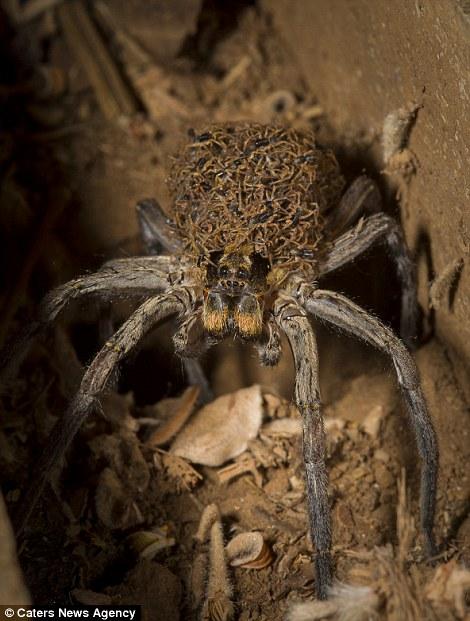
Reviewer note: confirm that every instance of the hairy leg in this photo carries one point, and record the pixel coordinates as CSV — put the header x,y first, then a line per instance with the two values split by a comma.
x,y
156,228
377,228
361,197
269,347
152,311
191,342
124,277
119,278
158,234
339,311
293,320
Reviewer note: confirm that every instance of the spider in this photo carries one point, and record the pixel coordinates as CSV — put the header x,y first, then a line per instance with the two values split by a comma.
x,y
260,216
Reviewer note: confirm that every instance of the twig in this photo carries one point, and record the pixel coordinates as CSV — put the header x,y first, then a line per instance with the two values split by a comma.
x,y
113,95
128,44
241,466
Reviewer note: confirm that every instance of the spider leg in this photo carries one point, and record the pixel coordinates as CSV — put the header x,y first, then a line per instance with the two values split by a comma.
x,y
152,311
362,196
158,234
156,228
293,320
119,278
190,342
338,310
381,227
269,347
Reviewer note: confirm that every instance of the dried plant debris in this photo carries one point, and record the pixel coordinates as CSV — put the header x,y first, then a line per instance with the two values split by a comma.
x,y
184,476
123,491
85,42
172,414
394,589
217,604
209,516
243,464
222,429
441,292
147,543
396,130
346,603
249,550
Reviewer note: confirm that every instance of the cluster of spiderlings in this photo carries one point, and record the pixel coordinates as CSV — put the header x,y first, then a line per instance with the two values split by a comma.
x,y
249,183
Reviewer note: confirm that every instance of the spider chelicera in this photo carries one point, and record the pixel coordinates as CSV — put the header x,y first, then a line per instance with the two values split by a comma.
x,y
259,217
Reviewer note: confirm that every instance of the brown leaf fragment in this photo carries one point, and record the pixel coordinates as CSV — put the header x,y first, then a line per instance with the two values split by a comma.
x,y
222,429
176,412
185,476
249,550
245,464
148,543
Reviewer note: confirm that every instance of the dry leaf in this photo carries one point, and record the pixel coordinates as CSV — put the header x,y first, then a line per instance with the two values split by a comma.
x,y
249,550
177,412
222,429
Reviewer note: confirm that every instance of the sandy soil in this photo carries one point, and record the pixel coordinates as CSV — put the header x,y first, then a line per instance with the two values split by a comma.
x,y
65,166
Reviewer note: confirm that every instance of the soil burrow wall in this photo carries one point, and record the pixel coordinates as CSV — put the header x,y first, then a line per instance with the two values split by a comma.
x,y
365,60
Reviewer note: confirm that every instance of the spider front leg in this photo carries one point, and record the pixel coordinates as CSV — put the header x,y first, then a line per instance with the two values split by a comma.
x,y
178,300
190,342
123,277
158,233
292,319
269,346
376,228
339,311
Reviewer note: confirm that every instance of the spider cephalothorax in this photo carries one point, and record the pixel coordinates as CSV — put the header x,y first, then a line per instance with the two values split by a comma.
x,y
259,220
236,283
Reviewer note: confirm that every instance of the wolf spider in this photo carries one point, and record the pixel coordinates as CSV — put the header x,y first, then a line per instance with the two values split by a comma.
x,y
259,217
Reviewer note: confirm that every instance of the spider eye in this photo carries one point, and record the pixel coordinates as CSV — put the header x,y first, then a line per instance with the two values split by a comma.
x,y
223,271
242,274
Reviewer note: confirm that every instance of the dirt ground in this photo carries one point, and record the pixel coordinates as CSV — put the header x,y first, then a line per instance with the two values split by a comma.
x,y
118,522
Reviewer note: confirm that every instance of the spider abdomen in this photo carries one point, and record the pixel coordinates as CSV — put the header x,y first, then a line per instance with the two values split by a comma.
x,y
259,184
